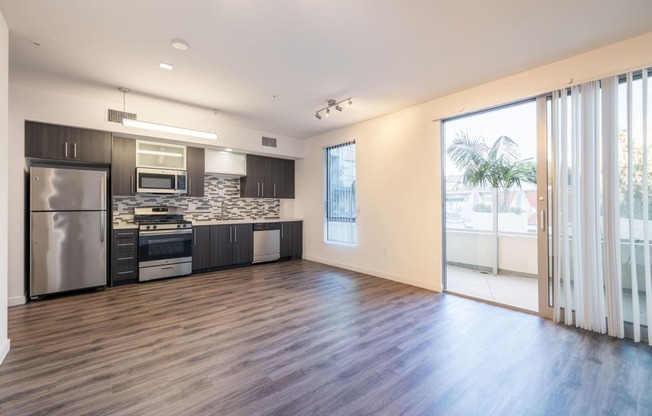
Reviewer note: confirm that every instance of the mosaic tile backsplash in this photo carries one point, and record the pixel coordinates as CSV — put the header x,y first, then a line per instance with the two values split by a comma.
x,y
216,189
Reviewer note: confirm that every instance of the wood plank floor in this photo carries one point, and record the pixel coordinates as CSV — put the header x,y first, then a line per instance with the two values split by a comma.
x,y
300,338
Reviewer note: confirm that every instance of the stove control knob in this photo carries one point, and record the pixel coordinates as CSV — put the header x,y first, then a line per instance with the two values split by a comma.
x,y
147,227
153,227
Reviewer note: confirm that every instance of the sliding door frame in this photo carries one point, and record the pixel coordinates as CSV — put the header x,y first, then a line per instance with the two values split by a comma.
x,y
545,186
544,216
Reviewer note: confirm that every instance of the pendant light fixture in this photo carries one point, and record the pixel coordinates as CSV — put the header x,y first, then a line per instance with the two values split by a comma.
x,y
332,104
164,128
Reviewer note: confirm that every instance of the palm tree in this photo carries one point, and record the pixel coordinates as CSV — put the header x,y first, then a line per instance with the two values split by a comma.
x,y
497,166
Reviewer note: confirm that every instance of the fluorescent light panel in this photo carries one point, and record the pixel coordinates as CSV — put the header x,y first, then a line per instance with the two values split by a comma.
x,y
168,129
159,153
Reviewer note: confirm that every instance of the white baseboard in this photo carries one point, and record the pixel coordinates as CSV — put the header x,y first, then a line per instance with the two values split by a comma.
x,y
429,286
17,300
4,350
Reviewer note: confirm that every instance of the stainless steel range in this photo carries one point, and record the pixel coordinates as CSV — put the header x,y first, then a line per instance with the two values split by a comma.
x,y
164,243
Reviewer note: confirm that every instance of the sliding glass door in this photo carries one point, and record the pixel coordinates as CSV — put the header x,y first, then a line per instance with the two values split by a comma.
x,y
495,193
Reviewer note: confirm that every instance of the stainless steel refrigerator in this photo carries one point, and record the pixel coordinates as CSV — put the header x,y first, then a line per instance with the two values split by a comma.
x,y
68,221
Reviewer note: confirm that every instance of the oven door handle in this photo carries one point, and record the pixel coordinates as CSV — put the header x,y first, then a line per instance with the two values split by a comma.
x,y
171,232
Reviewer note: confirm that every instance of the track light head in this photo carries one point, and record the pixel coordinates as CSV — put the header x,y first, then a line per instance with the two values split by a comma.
x,y
338,108
350,103
328,112
318,115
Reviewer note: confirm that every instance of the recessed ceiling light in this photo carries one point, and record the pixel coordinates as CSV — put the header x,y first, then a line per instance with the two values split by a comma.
x,y
180,44
163,65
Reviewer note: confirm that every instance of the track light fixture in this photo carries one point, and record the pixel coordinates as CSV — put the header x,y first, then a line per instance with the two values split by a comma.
x,y
332,104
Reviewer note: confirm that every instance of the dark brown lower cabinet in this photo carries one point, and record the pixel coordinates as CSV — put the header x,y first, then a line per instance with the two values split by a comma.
x,y
231,244
292,239
220,246
201,252
124,257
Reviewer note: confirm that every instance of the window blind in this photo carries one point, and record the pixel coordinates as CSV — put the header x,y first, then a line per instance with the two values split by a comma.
x,y
340,201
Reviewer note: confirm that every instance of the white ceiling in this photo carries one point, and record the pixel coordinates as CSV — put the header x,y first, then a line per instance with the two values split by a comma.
x,y
386,54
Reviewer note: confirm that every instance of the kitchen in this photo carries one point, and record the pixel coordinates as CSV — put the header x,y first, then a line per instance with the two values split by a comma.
x,y
175,209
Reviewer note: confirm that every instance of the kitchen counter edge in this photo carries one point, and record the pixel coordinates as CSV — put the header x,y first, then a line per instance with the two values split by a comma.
x,y
200,223
231,222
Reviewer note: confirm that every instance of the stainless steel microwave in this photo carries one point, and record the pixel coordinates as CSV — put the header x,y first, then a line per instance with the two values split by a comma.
x,y
161,181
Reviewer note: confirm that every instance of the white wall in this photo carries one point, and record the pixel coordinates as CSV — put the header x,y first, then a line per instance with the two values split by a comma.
x,y
4,181
75,110
399,168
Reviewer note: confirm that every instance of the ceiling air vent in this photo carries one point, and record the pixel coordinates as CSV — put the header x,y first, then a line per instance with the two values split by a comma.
x,y
269,141
115,116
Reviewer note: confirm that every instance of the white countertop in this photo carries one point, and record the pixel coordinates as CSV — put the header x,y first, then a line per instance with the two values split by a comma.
x,y
229,222
131,225
125,226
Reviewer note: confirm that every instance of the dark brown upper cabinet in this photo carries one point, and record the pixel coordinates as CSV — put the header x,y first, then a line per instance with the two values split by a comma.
x,y
195,166
123,166
49,141
268,177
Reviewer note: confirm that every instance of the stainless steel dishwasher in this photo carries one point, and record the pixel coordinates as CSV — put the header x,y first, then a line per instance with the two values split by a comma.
x,y
267,242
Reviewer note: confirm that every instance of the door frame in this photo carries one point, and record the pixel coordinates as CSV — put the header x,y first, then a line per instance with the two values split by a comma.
x,y
544,196
544,215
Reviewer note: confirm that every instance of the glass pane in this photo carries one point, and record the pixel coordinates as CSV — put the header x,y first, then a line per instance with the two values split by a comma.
x,y
632,209
490,214
340,163
159,155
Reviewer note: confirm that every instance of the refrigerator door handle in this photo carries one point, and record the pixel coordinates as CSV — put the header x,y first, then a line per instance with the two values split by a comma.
x,y
102,194
102,206
102,226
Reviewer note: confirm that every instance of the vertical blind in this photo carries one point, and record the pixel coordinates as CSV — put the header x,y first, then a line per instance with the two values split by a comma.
x,y
601,205
340,205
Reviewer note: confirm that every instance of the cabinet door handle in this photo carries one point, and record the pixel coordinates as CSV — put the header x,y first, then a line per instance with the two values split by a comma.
x,y
129,234
65,147
262,189
194,236
274,190
190,185
127,272
543,220
230,234
257,188
125,258
167,268
74,150
132,184
235,232
125,244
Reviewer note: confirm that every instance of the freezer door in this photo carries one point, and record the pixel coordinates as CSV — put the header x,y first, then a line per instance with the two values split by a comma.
x,y
68,251
63,189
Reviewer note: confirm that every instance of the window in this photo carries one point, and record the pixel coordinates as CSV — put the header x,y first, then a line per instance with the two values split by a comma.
x,y
340,194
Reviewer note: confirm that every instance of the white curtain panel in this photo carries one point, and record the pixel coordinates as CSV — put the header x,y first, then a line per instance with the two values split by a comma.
x,y
597,198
